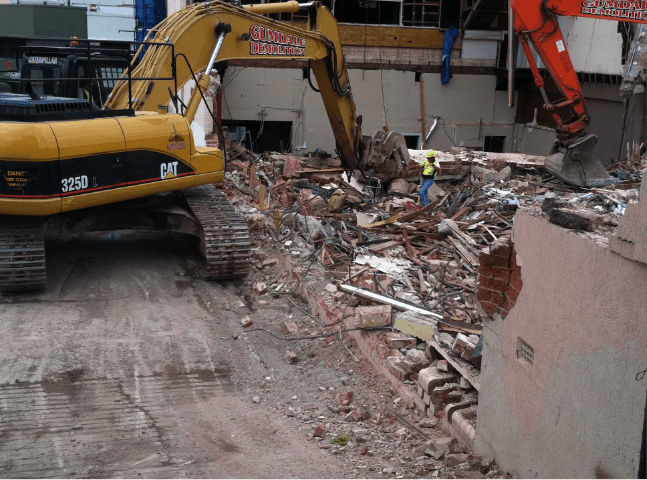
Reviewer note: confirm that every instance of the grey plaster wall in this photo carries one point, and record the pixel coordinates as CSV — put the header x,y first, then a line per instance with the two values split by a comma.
x,y
577,410
283,95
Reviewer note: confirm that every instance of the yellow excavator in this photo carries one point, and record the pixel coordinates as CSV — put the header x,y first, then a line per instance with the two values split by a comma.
x,y
133,165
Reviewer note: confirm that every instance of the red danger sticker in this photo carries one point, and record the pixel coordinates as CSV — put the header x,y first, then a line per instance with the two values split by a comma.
x,y
176,146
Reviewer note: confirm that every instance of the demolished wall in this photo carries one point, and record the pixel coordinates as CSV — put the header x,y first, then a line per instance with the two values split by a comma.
x,y
461,104
559,395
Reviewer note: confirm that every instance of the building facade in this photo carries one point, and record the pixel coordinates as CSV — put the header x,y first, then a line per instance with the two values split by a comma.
x,y
394,53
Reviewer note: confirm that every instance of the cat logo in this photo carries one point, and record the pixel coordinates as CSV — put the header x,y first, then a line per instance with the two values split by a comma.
x,y
168,170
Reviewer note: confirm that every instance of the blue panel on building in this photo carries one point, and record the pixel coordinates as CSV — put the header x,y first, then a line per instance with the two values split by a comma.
x,y
148,13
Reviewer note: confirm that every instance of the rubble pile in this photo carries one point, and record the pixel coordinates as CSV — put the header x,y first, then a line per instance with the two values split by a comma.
x,y
367,256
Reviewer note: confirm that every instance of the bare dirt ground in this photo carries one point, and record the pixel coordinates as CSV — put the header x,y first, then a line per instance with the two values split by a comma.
x,y
126,366
130,365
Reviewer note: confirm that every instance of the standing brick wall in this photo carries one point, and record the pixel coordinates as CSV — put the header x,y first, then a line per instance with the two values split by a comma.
x,y
499,280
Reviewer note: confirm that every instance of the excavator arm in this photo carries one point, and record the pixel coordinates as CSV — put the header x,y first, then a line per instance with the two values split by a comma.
x,y
206,33
535,22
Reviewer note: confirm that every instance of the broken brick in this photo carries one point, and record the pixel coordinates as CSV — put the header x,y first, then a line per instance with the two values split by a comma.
x,y
358,414
344,398
247,322
400,340
290,357
374,316
394,366
269,263
320,431
430,378
439,395
454,459
289,327
438,447
461,342
292,167
259,255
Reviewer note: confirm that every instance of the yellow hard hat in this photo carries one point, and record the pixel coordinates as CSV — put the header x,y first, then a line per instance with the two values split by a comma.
x,y
431,154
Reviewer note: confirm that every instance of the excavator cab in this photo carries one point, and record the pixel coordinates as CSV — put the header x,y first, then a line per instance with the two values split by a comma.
x,y
576,163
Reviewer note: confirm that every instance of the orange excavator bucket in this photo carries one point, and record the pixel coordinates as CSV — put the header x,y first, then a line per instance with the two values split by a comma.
x,y
576,164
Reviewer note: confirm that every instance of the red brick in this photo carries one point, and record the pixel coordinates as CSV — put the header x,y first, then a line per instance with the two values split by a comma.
x,y
489,308
501,251
484,295
512,294
493,261
501,273
498,299
515,282
291,167
344,398
237,165
495,272
394,368
486,271
492,284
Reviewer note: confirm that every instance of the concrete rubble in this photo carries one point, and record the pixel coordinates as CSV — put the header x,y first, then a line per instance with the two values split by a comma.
x,y
408,287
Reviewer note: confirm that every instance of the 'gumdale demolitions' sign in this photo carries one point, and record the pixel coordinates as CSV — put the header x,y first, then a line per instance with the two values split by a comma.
x,y
616,8
266,41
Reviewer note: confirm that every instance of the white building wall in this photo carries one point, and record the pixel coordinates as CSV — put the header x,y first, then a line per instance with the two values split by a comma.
x,y
594,46
282,94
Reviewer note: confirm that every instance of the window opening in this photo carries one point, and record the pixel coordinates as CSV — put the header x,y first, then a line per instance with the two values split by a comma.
x,y
413,141
494,143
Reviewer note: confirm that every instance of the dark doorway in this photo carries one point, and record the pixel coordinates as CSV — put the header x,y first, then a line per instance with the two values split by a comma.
x,y
268,137
493,144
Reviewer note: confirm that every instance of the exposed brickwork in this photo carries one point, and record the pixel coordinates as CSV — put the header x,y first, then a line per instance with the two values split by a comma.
x,y
499,281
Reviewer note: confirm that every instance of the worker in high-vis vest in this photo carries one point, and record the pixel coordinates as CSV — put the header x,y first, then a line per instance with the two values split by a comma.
x,y
429,170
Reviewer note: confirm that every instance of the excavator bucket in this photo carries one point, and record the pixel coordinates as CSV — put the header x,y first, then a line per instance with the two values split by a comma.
x,y
576,164
386,155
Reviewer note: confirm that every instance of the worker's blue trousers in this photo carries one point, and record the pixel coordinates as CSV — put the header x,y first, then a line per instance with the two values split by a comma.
x,y
423,191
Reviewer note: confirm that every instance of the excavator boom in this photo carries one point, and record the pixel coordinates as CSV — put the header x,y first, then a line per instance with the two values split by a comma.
x,y
535,22
206,33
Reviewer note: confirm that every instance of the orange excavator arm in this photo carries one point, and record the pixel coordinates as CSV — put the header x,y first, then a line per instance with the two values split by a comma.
x,y
535,22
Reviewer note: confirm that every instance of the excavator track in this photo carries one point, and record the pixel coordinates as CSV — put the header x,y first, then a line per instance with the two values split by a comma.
x,y
225,242
22,253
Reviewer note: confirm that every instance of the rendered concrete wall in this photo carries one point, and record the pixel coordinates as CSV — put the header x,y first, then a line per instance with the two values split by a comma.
x,y
577,410
594,46
283,95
